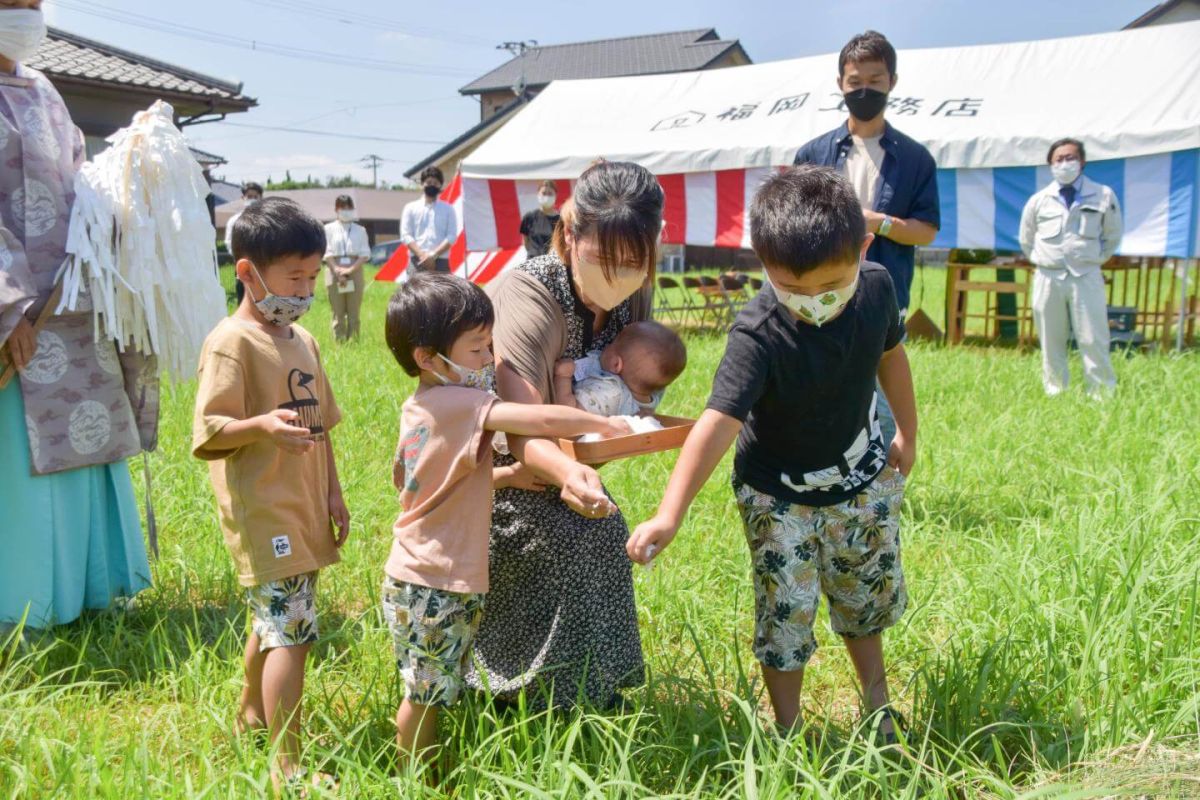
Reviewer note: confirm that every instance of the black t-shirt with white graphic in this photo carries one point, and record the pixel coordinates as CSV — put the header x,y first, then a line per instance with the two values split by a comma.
x,y
539,228
807,394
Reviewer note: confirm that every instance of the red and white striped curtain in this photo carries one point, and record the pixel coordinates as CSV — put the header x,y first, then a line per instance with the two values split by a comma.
x,y
477,266
701,208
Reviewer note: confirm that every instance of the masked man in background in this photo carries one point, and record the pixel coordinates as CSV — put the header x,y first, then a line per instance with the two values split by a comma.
x,y
894,176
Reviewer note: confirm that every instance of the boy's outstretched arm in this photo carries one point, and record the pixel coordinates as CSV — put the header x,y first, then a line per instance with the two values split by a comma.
x,y
705,445
523,419
895,378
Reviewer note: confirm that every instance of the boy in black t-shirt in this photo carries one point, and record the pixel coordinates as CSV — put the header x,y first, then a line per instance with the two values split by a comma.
x,y
818,490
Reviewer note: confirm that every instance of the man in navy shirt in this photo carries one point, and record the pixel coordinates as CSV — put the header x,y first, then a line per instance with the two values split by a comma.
x,y
894,177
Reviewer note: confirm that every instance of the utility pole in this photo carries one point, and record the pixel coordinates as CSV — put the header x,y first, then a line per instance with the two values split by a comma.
x,y
518,49
373,161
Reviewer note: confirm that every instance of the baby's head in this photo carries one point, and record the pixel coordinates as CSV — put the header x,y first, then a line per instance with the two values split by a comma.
x,y
648,356
439,327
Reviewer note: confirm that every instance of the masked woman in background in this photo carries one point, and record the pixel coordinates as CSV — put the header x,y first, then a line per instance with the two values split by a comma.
x,y
71,534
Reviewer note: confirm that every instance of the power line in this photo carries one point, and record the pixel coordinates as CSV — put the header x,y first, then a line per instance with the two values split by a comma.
x,y
213,37
359,18
339,110
334,134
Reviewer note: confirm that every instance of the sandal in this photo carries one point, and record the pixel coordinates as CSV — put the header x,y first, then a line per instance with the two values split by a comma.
x,y
883,714
300,782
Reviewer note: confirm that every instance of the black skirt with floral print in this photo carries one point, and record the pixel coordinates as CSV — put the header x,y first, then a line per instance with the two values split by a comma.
x,y
560,617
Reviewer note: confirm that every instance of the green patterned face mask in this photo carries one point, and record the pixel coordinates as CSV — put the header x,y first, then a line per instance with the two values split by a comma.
x,y
816,309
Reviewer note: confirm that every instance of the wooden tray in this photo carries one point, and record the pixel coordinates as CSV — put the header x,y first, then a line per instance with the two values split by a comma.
x,y
675,430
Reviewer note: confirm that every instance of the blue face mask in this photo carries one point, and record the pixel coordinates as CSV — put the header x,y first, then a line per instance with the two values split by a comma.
x,y
277,309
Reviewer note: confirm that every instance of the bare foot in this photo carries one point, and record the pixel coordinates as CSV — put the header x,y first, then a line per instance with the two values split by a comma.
x,y
247,722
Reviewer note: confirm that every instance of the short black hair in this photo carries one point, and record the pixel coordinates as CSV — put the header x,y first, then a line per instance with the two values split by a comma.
x,y
804,217
343,201
432,310
1066,140
433,172
251,186
868,46
275,228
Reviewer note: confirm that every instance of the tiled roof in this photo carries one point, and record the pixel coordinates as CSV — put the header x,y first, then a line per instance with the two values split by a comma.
x,y
207,159
680,51
68,56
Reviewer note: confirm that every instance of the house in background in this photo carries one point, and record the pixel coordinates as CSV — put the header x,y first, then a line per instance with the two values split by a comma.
x,y
1167,13
104,86
378,210
506,89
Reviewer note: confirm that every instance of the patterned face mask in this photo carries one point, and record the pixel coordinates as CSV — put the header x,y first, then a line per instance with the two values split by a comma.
x,y
280,310
816,309
483,378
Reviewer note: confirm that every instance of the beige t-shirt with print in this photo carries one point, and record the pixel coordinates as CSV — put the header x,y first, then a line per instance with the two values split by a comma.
x,y
441,537
274,505
864,168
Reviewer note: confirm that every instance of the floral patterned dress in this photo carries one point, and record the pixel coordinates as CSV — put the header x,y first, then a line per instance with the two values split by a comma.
x,y
560,618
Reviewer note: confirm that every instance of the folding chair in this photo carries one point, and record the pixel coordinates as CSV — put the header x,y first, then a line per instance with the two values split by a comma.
x,y
733,287
674,303
714,295
697,291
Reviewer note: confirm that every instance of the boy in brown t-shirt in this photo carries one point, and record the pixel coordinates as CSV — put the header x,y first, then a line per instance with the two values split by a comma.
x,y
439,328
263,414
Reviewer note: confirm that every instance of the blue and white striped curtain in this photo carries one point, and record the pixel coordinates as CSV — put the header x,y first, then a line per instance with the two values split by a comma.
x,y
1159,196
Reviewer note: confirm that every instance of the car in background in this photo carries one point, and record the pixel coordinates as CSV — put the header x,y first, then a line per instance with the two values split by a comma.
x,y
381,252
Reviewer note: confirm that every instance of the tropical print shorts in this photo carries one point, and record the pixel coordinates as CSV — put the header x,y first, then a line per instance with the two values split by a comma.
x,y
283,613
432,633
849,551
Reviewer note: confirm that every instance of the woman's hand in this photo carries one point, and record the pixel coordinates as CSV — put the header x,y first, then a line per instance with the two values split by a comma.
x,y
584,494
22,344
617,426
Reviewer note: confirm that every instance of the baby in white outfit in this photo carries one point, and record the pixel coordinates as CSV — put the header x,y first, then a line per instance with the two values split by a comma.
x,y
628,377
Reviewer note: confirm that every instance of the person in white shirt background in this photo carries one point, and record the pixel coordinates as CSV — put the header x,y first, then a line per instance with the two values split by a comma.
x,y
427,226
346,250
251,193
1068,230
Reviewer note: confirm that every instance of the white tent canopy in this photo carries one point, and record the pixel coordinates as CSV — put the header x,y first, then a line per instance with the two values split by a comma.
x,y
1127,94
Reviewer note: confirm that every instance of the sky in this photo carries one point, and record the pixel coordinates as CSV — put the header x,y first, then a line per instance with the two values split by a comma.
x,y
398,97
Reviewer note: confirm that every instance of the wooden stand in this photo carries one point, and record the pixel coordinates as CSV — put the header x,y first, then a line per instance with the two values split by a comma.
x,y
671,437
959,285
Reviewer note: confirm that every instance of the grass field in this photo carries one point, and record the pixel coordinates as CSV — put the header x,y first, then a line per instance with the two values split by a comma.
x,y
1051,549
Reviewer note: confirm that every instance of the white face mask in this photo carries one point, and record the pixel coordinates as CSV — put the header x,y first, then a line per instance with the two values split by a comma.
x,y
1066,171
546,201
816,309
347,214
21,32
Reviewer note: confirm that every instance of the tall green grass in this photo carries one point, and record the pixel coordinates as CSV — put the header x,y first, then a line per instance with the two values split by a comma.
x,y
1051,550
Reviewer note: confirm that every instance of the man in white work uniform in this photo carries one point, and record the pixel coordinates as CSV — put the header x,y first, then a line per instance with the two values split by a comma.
x,y
1069,229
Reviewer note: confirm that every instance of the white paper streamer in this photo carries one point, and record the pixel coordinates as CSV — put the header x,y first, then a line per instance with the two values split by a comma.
x,y
141,244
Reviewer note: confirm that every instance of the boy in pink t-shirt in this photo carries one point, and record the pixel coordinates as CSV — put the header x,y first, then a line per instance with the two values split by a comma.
x,y
439,328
